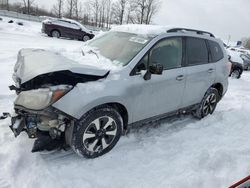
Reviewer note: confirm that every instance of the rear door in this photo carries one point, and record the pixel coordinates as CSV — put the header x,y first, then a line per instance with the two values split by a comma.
x,y
76,31
200,71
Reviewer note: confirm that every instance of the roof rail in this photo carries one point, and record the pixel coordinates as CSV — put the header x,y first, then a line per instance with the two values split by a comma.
x,y
199,32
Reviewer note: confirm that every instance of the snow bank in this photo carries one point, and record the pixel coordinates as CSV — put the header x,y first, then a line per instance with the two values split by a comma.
x,y
28,27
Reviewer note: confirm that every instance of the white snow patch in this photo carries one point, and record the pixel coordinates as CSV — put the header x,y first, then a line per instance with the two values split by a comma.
x,y
235,56
142,29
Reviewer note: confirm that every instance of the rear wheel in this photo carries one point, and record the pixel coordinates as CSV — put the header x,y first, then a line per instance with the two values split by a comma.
x,y
208,104
85,38
55,34
97,132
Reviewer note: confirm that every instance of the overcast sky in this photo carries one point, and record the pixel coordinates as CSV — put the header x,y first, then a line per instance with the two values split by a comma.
x,y
221,17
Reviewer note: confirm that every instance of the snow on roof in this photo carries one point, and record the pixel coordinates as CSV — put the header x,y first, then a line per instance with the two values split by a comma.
x,y
235,56
142,29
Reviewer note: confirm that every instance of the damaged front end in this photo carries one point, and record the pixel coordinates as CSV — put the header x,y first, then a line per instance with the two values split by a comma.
x,y
35,115
37,90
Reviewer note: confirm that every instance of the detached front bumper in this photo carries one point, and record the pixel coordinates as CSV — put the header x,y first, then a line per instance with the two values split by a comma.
x,y
17,123
47,127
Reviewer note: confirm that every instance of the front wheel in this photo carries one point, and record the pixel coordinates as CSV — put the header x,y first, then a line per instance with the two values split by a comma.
x,y
97,132
236,73
208,104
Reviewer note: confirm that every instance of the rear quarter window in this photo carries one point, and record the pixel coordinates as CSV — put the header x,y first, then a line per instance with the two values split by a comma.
x,y
216,51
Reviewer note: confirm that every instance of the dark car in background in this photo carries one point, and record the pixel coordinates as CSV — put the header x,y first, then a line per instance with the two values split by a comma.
x,y
66,28
246,59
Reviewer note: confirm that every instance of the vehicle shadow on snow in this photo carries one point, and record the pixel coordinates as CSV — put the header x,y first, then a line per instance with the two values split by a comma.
x,y
165,127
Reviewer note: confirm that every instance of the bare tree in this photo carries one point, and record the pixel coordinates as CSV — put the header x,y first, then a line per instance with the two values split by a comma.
x,y
70,6
246,42
144,10
108,12
96,7
27,5
77,9
118,11
4,4
152,7
58,8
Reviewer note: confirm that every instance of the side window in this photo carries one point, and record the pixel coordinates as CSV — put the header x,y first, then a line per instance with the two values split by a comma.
x,y
142,65
216,51
197,52
167,52
75,26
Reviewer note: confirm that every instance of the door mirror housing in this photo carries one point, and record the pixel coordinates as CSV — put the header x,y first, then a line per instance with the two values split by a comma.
x,y
156,68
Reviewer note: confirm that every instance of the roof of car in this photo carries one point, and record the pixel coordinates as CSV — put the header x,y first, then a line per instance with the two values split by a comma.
x,y
155,29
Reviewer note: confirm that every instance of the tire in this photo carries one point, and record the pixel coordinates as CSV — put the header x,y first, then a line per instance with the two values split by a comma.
x,y
208,104
55,34
85,38
90,138
236,73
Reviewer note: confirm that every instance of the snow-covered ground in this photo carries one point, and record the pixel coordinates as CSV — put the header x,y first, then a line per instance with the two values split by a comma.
x,y
211,153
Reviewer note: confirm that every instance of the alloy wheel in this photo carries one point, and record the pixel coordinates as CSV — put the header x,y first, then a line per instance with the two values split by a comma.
x,y
209,104
235,74
86,38
55,34
100,134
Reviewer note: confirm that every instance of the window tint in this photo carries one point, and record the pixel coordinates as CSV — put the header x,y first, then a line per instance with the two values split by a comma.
x,y
216,51
167,52
197,52
245,58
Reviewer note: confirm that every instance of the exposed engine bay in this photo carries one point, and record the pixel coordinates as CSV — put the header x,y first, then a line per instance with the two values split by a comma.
x,y
47,127
56,78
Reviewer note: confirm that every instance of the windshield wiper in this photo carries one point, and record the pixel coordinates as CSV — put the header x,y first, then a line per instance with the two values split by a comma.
x,y
93,52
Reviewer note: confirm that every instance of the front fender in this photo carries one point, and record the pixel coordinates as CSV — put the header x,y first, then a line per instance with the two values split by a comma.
x,y
85,97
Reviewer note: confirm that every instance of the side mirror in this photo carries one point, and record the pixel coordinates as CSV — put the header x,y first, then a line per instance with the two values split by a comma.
x,y
147,75
156,68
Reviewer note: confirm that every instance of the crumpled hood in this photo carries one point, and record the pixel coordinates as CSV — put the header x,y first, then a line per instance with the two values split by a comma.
x,y
34,62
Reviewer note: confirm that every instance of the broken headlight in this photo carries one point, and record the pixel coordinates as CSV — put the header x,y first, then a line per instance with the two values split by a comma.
x,y
39,99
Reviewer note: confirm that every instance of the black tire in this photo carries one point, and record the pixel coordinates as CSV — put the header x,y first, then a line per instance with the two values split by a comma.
x,y
236,73
55,34
85,38
208,103
89,141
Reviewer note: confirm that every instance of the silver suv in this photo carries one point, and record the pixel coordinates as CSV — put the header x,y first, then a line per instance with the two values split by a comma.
x,y
137,74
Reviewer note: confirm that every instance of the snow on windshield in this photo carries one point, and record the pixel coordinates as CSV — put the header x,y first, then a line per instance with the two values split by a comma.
x,y
88,56
119,47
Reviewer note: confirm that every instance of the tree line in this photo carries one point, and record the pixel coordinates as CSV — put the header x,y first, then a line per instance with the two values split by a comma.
x,y
99,13
103,13
246,42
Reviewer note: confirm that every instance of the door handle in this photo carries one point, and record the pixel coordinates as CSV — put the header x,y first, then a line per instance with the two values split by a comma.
x,y
180,78
210,70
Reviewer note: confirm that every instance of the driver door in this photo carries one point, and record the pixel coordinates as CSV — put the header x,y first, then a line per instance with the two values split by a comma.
x,y
162,93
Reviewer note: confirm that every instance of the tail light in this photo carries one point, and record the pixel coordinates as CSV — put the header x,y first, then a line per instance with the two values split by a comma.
x,y
229,66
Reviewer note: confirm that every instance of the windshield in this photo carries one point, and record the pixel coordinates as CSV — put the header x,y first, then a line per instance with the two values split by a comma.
x,y
119,47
